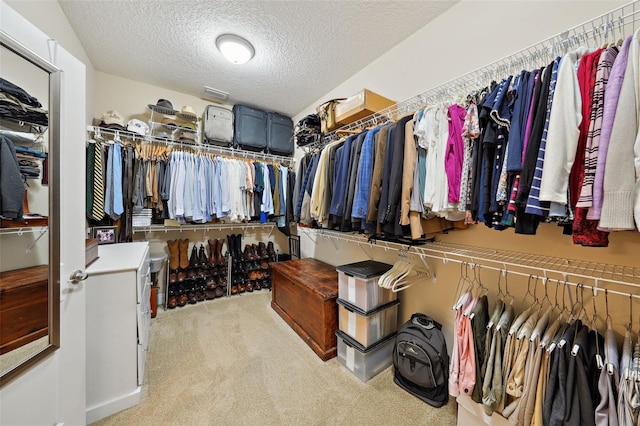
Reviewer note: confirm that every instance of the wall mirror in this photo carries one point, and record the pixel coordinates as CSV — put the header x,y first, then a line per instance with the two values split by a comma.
x,y
29,208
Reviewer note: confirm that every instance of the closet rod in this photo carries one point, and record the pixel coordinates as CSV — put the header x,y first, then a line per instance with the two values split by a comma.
x,y
626,276
202,227
609,25
230,152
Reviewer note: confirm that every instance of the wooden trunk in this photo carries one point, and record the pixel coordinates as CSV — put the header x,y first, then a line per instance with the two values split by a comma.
x,y
304,293
24,306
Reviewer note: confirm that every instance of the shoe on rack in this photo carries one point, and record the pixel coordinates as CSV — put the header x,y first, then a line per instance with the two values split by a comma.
x,y
194,264
222,281
221,291
219,256
271,251
201,286
191,294
174,260
210,293
182,295
172,300
258,285
231,246
183,249
262,250
213,249
250,285
204,262
242,285
238,246
246,255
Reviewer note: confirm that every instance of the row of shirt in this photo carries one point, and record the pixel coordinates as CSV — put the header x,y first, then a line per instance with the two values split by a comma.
x,y
554,143
559,143
542,367
373,182
184,186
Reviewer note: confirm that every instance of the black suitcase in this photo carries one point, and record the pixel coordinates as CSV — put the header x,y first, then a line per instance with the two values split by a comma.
x,y
279,134
218,125
250,128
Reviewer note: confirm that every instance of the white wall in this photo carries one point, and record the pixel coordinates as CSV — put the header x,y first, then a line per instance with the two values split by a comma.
x,y
469,36
48,16
130,98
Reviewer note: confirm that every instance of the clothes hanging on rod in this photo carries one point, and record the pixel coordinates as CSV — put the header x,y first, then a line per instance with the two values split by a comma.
x,y
545,365
522,151
188,187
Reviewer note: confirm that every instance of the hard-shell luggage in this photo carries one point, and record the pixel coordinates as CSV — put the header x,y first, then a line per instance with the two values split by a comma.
x,y
250,128
279,134
218,125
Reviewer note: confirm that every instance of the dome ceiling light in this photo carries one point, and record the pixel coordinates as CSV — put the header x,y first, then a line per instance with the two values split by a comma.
x,y
236,49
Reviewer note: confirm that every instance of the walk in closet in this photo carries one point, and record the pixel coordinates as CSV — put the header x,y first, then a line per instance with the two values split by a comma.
x,y
495,200
536,272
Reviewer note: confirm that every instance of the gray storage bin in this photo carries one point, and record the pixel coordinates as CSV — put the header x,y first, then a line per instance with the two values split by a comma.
x,y
358,284
367,328
363,362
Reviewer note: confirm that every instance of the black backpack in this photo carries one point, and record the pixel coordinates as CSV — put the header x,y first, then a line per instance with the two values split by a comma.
x,y
421,360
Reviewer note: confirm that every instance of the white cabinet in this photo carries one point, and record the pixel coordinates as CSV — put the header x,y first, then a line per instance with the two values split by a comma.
x,y
118,319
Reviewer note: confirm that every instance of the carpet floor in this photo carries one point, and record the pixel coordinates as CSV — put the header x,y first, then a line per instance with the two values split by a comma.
x,y
234,361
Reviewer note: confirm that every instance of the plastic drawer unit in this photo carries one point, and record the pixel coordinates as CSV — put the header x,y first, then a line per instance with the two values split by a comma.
x,y
364,363
367,328
358,284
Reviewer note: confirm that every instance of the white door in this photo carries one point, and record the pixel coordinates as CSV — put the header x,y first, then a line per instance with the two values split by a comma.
x,y
53,391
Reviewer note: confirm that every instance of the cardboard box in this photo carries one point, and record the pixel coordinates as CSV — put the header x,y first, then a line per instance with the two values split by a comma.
x,y
359,106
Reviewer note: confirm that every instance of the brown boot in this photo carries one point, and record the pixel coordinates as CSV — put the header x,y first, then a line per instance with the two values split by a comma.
x,y
213,250
183,250
174,260
219,256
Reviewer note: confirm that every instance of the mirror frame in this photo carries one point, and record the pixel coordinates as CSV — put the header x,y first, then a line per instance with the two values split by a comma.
x,y
55,76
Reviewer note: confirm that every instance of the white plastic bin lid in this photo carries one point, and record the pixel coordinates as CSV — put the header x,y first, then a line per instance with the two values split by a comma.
x,y
157,261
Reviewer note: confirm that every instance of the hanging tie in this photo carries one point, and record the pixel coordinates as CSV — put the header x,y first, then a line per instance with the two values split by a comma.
x,y
97,209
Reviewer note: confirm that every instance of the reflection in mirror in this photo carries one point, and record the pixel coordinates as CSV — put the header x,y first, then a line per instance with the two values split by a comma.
x,y
28,313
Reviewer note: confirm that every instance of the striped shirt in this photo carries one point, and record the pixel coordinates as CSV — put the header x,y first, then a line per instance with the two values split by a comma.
x,y
534,205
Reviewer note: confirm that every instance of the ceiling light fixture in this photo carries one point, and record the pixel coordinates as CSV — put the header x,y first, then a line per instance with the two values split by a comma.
x,y
235,48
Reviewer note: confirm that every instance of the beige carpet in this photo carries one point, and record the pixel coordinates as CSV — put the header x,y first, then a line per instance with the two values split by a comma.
x,y
234,361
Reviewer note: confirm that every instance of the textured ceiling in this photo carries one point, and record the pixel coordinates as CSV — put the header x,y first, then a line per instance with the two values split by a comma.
x,y
303,48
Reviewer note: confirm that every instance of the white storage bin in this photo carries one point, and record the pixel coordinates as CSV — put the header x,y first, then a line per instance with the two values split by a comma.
x,y
358,284
367,328
364,363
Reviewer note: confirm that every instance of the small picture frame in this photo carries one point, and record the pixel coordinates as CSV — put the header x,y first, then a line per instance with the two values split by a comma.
x,y
105,234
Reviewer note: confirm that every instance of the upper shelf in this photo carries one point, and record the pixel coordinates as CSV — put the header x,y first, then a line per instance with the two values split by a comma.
x,y
20,125
203,227
172,112
223,151
503,260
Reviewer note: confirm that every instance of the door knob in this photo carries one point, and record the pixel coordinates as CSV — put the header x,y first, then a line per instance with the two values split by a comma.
x,y
77,276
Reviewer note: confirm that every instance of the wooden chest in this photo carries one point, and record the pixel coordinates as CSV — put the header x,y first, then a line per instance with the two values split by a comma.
x,y
24,307
304,293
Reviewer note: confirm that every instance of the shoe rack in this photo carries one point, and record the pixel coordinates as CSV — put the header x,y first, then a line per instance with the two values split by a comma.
x,y
198,272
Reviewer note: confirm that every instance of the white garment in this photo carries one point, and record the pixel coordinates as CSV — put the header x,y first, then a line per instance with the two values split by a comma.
x,y
564,130
621,185
429,143
267,198
284,178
